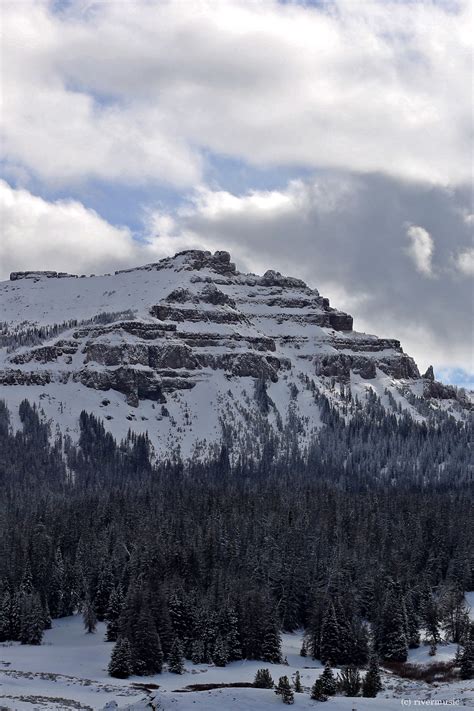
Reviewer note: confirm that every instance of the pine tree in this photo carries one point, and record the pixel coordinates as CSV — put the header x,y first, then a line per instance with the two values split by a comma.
x,y
113,614
175,660
89,617
219,656
271,645
331,644
147,654
197,652
303,650
317,691
328,680
372,683
466,670
391,637
263,679
284,690
5,617
297,683
121,660
32,622
103,592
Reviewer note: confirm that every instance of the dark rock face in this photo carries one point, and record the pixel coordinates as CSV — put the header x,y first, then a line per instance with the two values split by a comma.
x,y
429,375
340,321
16,276
272,278
340,365
164,313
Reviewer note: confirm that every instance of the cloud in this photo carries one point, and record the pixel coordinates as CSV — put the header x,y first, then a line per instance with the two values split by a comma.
x,y
420,249
64,236
140,92
465,262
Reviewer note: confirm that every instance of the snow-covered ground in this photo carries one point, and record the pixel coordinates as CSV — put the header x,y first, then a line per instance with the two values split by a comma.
x,y
69,671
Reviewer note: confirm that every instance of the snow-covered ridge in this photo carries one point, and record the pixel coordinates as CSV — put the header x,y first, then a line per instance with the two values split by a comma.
x,y
180,347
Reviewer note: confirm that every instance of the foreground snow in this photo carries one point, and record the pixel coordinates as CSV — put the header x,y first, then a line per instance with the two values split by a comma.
x,y
69,671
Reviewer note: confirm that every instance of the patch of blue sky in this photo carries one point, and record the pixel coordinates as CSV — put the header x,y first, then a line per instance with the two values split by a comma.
x,y
238,177
456,376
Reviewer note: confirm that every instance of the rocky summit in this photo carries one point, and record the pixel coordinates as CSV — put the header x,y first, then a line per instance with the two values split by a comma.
x,y
193,352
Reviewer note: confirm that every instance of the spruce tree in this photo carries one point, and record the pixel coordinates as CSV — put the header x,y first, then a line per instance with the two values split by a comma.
x,y
103,592
263,679
197,652
297,683
32,621
120,665
328,680
147,654
271,645
5,617
113,614
175,659
303,650
391,636
284,690
220,655
372,683
317,691
466,670
331,645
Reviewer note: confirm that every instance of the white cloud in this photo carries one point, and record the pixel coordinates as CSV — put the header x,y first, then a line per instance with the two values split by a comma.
x,y
372,86
64,235
465,262
421,249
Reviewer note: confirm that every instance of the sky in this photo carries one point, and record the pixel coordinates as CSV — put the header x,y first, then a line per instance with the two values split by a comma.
x,y
330,140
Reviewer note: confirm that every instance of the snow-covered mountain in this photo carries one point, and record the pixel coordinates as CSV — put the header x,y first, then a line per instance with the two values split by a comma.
x,y
192,351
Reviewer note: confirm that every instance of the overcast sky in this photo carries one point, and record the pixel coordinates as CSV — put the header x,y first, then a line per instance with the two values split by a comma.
x,y
329,140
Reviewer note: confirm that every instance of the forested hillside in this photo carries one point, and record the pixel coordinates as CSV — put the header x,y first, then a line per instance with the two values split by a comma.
x,y
363,543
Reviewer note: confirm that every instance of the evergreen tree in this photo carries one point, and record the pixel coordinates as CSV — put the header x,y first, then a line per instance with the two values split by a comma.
x,y
219,656
391,637
114,612
89,617
103,592
197,652
317,691
331,648
372,683
175,660
284,690
147,654
271,646
297,683
32,621
5,617
303,650
328,680
466,670
263,679
120,665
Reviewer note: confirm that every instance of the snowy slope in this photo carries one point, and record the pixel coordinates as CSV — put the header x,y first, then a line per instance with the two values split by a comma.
x,y
69,670
178,348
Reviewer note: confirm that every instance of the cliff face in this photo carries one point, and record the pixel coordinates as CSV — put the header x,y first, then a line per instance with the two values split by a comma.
x,y
181,346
